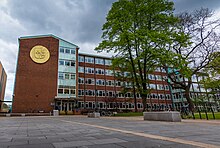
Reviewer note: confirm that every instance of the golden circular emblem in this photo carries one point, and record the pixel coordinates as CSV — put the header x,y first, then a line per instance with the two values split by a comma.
x,y
39,54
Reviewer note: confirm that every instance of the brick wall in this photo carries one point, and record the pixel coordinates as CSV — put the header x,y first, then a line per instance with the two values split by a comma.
x,y
36,84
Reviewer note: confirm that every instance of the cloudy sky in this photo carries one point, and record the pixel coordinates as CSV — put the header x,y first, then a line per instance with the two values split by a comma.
x,y
78,21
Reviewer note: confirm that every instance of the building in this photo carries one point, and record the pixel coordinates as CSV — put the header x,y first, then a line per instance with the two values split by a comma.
x,y
3,78
51,74
197,93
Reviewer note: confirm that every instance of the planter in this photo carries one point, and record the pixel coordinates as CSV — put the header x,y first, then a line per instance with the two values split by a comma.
x,y
69,112
62,113
94,115
162,116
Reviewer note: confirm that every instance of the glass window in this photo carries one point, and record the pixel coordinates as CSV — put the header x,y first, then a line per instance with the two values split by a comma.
x,y
72,76
72,63
81,80
73,91
81,69
66,91
73,51
89,60
68,51
108,62
67,63
67,76
60,91
61,62
61,50
60,75
99,61
81,59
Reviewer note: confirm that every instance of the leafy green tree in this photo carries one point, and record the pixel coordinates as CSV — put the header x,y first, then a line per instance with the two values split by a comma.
x,y
140,31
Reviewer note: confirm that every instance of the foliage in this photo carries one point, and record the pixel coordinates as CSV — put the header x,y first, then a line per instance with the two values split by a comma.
x,y
139,32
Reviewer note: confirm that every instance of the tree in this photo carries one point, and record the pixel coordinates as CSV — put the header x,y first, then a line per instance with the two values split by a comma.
x,y
139,31
213,71
201,28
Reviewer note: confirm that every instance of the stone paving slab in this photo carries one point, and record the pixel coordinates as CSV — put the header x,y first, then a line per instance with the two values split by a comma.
x,y
80,131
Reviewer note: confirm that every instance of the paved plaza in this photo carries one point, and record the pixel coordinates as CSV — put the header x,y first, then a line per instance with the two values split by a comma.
x,y
105,132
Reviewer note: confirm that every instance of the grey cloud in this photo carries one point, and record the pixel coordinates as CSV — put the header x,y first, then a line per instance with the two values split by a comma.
x,y
189,5
80,21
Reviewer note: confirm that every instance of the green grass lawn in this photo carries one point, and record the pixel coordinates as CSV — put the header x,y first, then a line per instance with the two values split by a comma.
x,y
132,114
129,114
217,115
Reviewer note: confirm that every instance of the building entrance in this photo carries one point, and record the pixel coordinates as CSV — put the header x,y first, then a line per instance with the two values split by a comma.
x,y
65,105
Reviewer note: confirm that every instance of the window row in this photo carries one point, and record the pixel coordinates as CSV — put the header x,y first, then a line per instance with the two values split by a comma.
x,y
66,76
67,63
99,82
102,93
99,61
122,105
66,91
97,71
67,50
103,82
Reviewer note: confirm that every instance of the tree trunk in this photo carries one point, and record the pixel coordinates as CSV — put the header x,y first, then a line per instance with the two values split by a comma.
x,y
191,105
144,101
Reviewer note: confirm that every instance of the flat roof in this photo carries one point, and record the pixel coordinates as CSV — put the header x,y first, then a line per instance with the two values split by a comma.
x,y
47,35
51,35
94,55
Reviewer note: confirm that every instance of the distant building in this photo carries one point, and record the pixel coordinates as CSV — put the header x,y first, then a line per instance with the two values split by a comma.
x,y
51,74
3,78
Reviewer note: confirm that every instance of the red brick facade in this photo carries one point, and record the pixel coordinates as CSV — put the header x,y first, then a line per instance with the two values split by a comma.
x,y
36,84
3,78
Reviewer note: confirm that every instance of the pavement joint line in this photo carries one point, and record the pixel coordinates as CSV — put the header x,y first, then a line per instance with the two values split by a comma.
x,y
176,140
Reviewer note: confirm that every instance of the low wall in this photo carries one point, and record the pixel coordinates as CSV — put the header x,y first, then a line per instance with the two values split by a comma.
x,y
162,116
25,114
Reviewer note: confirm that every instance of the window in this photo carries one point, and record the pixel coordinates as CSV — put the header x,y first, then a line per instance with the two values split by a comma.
x,y
66,91
61,62
89,60
81,59
108,62
73,51
109,72
60,75
81,69
99,71
67,63
72,76
67,76
73,91
61,50
89,81
73,63
67,51
60,91
89,70
80,92
99,61
100,82
81,80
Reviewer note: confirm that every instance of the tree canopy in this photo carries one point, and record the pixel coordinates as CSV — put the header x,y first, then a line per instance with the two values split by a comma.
x,y
140,31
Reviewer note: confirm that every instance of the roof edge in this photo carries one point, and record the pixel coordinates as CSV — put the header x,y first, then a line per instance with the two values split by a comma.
x,y
47,35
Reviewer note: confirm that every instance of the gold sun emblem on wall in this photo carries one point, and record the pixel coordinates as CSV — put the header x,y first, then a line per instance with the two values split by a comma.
x,y
39,54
